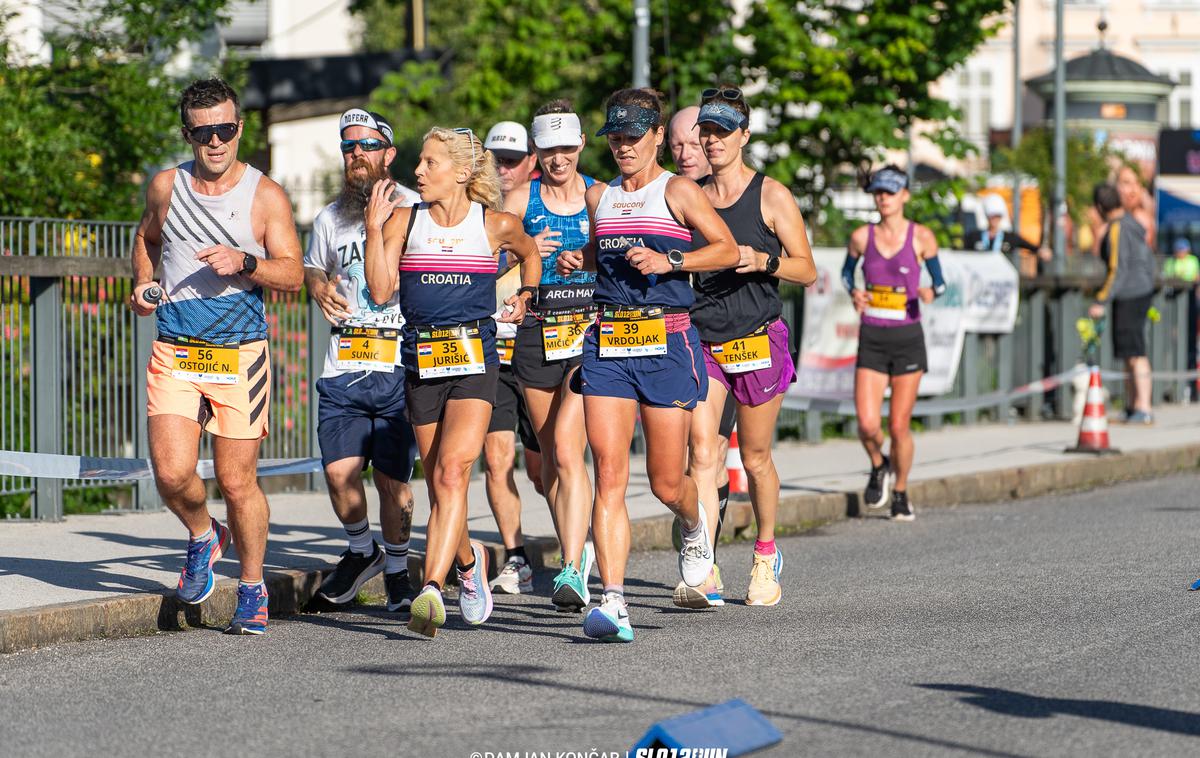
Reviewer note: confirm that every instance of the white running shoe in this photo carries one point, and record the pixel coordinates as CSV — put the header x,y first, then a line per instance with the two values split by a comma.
x,y
696,557
516,578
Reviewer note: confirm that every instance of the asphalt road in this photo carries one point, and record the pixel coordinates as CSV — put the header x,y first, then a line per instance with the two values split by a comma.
x,y
1054,626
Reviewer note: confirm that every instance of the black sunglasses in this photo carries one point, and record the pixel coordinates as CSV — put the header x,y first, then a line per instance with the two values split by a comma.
x,y
202,135
725,94
368,144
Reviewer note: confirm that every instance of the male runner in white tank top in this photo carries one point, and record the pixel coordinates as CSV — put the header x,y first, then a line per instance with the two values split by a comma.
x,y
222,232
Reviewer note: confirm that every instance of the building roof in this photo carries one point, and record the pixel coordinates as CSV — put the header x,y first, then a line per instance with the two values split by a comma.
x,y
1102,65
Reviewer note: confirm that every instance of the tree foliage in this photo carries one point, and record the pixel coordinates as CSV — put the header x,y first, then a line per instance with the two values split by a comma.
x,y
83,128
1088,163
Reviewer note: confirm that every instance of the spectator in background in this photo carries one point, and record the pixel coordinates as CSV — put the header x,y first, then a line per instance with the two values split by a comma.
x,y
1182,265
1129,285
996,240
1136,201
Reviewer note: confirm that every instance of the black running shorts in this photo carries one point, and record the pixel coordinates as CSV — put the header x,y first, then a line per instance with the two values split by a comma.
x,y
427,398
892,350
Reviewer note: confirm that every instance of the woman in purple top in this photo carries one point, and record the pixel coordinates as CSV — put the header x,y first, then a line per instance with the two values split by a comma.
x,y
891,343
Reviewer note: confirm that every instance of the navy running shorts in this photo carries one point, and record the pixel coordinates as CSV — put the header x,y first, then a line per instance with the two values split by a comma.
x,y
362,414
675,380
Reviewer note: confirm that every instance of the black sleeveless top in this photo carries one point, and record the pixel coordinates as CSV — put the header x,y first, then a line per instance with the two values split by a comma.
x,y
728,304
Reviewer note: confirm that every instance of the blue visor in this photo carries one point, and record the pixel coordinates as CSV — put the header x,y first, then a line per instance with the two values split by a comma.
x,y
723,115
887,180
633,120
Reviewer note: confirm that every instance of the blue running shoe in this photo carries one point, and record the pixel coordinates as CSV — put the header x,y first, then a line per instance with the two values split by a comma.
x,y
251,614
610,621
474,595
196,582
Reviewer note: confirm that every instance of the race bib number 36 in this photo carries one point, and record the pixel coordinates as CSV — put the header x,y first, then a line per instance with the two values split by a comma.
x,y
748,353
457,351
626,334
889,303
367,349
562,334
198,361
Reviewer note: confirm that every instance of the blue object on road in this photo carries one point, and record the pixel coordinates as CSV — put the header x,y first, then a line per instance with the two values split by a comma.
x,y
733,725
1195,585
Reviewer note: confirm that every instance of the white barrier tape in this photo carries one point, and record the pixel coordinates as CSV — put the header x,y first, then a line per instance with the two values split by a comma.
x,y
45,466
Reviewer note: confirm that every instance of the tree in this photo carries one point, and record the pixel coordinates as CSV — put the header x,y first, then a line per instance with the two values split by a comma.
x,y
842,82
83,128
513,55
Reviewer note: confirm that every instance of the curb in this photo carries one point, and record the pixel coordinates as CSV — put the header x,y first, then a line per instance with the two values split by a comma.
x,y
292,590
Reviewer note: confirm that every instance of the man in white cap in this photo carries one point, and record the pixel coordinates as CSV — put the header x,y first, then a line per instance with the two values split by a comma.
x,y
515,160
361,417
994,239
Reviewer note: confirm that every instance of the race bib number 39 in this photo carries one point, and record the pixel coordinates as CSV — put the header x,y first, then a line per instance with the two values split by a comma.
x,y
456,351
748,353
198,361
367,349
627,334
890,303
562,335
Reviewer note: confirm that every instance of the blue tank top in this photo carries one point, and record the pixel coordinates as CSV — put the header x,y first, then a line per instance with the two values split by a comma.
x,y
640,218
556,290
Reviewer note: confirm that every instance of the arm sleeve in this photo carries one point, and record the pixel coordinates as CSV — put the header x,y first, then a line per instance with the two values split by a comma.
x,y
848,267
1112,240
935,273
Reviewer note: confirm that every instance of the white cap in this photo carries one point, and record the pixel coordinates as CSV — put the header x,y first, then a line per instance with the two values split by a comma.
x,y
369,119
507,137
557,130
994,205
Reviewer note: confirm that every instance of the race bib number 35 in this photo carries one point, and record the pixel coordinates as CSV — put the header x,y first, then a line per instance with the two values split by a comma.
x,y
457,351
626,334
562,335
748,353
198,361
889,303
367,349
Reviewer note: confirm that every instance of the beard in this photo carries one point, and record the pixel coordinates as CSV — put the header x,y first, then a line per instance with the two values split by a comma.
x,y
356,190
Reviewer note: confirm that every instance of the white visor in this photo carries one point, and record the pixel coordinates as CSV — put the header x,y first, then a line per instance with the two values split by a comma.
x,y
557,130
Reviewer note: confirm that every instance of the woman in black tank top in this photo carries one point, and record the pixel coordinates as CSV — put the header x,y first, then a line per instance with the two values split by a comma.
x,y
745,342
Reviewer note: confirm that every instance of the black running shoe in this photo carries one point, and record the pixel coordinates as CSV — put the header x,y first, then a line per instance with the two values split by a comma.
x,y
352,572
902,510
399,592
879,485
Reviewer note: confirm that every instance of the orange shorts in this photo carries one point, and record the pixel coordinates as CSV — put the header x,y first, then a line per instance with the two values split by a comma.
x,y
234,405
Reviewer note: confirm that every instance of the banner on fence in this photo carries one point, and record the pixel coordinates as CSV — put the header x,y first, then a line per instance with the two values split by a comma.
x,y
981,296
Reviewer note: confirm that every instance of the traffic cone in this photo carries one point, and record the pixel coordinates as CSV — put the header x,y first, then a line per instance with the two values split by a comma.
x,y
733,464
1093,427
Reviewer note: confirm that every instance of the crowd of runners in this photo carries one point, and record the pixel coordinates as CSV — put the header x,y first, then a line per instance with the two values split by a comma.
x,y
509,294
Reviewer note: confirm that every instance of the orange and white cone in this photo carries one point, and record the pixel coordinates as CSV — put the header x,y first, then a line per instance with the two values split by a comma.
x,y
733,464
1093,428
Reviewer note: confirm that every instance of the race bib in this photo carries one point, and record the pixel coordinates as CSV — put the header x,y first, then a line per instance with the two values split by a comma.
x,y
200,361
743,354
633,332
504,348
890,303
562,334
456,351
367,349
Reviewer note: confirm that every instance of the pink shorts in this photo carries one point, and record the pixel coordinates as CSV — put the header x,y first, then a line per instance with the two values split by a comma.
x,y
760,385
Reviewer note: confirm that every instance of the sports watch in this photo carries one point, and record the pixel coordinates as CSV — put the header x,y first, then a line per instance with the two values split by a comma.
x,y
249,264
675,258
772,265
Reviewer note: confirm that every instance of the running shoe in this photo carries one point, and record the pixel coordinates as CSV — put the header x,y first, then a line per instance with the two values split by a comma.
x,y
474,597
696,557
251,614
609,622
1142,418
399,591
570,594
764,579
428,612
351,573
196,582
902,510
879,485
707,595
515,578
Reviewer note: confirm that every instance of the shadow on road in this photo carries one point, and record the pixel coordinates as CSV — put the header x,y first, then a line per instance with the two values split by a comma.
x,y
1027,706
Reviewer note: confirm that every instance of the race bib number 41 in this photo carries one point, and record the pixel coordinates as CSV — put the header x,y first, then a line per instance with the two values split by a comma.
x,y
630,333
456,351
367,349
199,361
743,354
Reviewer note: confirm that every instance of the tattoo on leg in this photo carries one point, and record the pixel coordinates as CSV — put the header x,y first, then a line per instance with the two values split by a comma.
x,y
406,514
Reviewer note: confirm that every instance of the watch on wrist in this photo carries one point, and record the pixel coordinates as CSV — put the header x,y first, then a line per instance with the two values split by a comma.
x,y
531,290
772,265
249,264
675,258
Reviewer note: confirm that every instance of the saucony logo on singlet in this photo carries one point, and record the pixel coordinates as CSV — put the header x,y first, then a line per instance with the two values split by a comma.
x,y
637,204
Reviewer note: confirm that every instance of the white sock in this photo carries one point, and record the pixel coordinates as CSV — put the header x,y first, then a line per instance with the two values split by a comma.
x,y
359,535
695,533
203,537
397,557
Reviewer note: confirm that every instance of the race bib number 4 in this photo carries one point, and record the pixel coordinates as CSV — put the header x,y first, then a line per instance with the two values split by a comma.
x,y
748,353
367,349
199,361
626,334
562,335
504,348
889,303
457,351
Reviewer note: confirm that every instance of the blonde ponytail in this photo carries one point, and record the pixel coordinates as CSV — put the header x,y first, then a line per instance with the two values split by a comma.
x,y
466,151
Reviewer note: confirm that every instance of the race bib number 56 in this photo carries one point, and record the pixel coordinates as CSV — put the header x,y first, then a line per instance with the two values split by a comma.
x,y
198,361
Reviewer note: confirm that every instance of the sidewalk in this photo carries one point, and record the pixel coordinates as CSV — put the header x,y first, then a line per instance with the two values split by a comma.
x,y
89,558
